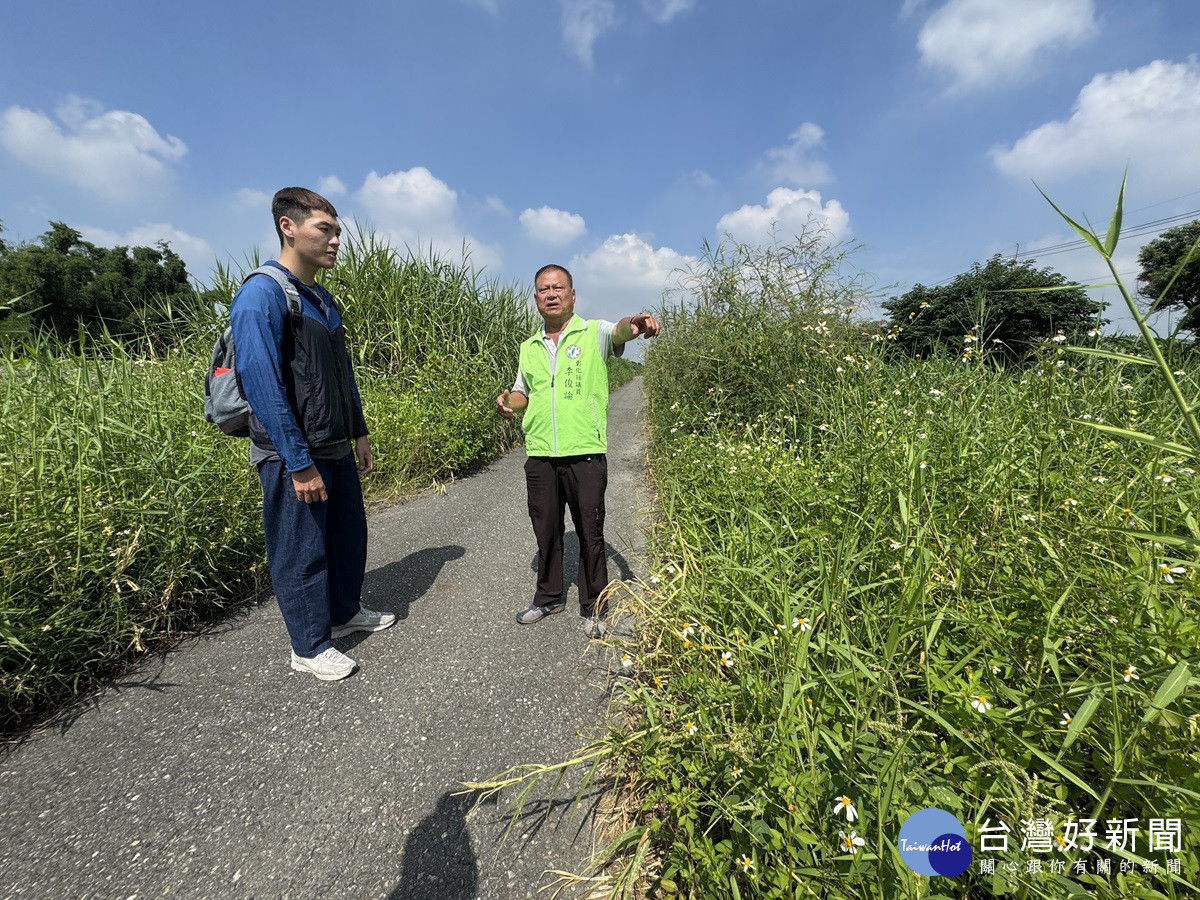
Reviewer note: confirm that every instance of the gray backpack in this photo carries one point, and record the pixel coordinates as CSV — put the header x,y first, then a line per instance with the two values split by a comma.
x,y
224,403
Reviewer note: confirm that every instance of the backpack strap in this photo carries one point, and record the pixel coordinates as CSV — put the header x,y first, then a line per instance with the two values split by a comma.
x,y
289,289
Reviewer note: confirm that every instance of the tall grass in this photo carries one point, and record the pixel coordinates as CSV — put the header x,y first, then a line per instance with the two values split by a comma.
x,y
910,583
126,518
122,518
425,311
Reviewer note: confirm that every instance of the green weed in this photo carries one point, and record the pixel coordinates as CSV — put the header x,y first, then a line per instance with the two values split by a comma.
x,y
911,584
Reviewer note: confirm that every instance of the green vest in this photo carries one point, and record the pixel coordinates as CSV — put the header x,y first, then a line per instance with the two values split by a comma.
x,y
568,401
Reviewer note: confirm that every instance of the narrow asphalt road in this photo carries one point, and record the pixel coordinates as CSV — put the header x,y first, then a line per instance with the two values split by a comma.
x,y
216,771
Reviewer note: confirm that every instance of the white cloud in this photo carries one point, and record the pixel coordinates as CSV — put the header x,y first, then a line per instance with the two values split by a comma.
x,y
494,204
624,275
417,209
250,198
115,154
787,213
583,23
983,42
415,199
331,186
795,162
1148,119
196,252
663,11
553,226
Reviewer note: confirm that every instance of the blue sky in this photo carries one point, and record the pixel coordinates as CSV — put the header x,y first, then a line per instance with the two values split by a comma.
x,y
612,136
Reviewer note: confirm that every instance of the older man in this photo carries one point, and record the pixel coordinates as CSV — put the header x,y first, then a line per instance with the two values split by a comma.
x,y
562,385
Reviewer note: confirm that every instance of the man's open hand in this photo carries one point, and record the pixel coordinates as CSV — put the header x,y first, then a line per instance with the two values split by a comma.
x,y
502,407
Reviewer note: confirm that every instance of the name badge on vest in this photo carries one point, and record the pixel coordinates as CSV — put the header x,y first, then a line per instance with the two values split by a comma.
x,y
573,352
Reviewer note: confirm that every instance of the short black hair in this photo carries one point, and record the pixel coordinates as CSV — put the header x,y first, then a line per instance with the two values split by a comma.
x,y
298,204
554,267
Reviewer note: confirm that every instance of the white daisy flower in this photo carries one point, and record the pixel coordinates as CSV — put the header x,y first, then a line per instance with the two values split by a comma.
x,y
1168,571
850,842
845,805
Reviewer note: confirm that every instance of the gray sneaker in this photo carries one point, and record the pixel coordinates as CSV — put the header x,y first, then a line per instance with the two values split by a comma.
x,y
594,627
536,613
364,620
332,665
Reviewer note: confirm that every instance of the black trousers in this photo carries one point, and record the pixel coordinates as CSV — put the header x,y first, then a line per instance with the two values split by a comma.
x,y
554,483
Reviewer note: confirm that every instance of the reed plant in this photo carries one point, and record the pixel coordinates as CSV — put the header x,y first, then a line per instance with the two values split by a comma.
x,y
424,311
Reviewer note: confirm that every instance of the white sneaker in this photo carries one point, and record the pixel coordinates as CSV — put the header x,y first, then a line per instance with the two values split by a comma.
x,y
332,665
364,620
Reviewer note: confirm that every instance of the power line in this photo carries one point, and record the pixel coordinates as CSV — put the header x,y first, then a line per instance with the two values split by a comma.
x,y
1168,200
1130,231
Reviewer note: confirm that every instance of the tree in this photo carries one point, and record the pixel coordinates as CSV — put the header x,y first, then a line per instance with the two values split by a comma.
x,y
64,281
978,311
1162,260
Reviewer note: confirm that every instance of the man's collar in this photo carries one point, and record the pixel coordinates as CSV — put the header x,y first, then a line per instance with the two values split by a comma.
x,y
577,323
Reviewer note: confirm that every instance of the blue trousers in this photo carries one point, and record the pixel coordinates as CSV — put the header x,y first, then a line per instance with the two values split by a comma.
x,y
317,552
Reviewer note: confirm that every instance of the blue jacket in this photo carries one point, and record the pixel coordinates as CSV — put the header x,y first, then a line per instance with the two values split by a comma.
x,y
296,375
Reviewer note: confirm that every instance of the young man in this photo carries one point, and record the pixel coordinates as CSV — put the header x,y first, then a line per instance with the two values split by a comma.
x,y
562,384
308,439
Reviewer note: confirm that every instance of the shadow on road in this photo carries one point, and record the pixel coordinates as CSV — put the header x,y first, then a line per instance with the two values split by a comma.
x,y
396,586
438,862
